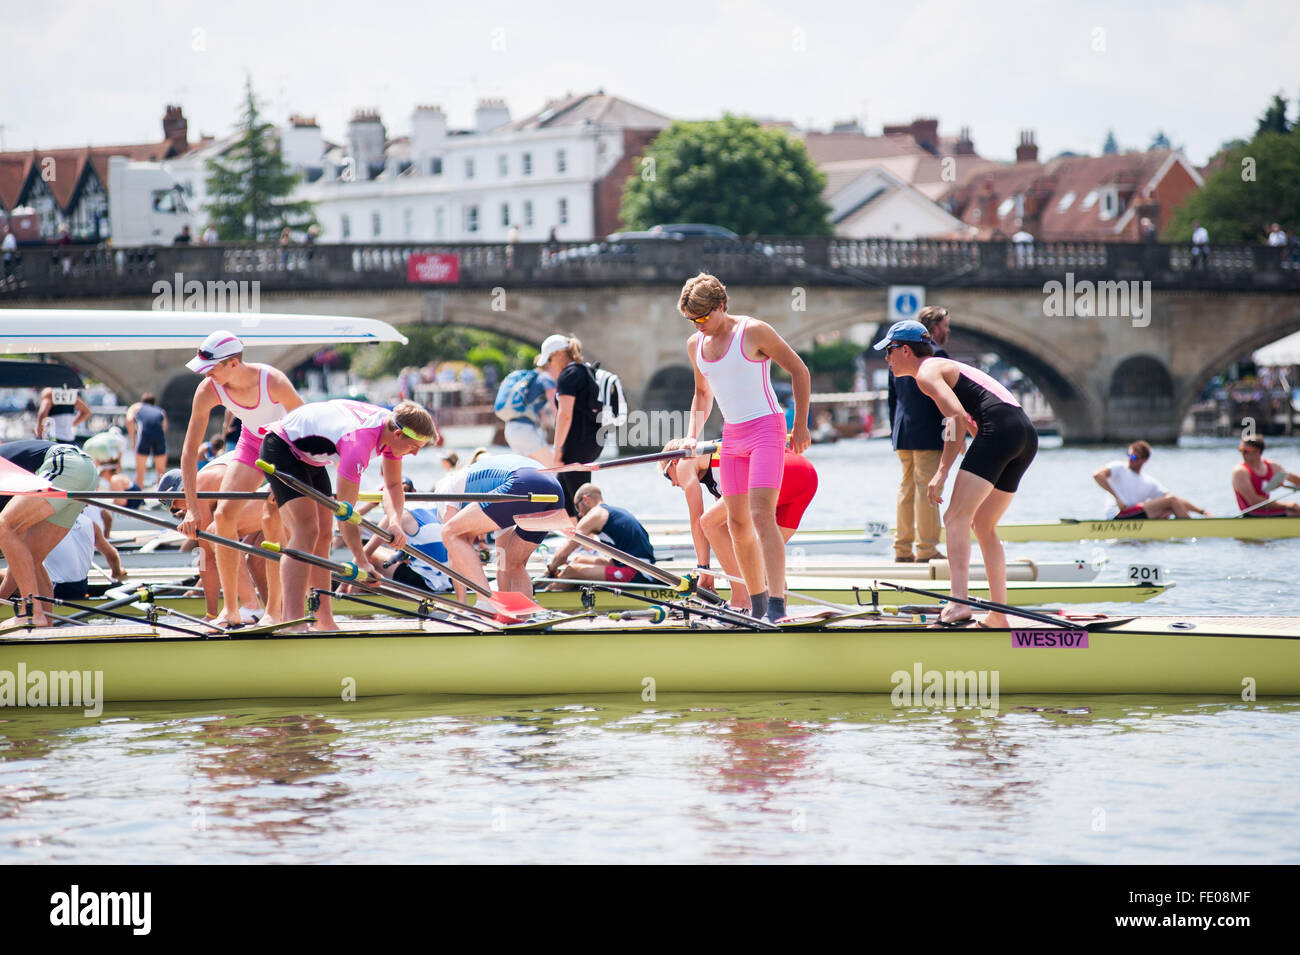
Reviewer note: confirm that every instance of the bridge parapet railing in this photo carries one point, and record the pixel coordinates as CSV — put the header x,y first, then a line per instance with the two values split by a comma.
x,y
919,255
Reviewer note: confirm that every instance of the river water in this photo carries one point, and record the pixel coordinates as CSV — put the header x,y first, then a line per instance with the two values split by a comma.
x,y
843,778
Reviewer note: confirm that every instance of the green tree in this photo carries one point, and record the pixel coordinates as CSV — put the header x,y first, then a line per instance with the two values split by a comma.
x,y
1160,141
1255,187
1111,146
729,172
1274,119
249,186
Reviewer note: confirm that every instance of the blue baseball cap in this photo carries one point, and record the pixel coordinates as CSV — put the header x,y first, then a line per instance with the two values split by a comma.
x,y
904,331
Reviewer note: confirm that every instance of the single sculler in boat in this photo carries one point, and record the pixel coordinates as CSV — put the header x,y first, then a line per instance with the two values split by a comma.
x,y
1255,476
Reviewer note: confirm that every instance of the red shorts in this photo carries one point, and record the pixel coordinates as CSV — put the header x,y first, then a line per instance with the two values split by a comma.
x,y
625,575
798,485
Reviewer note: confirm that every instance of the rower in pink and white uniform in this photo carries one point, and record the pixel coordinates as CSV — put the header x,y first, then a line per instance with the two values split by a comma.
x,y
731,356
258,395
347,434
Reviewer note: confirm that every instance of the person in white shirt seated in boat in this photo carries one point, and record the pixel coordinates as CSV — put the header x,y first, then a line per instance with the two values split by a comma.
x,y
619,526
1137,495
1255,476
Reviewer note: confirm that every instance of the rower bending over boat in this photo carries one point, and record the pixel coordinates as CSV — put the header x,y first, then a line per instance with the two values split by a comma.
x,y
1255,476
347,434
462,524
709,528
731,357
258,395
248,528
30,526
1137,495
623,530
1005,444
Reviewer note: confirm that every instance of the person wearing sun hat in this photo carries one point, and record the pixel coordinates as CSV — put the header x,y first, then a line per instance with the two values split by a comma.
x,y
347,434
1005,444
258,395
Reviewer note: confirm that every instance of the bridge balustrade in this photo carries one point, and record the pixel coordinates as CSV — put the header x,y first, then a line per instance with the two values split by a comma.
x,y
78,272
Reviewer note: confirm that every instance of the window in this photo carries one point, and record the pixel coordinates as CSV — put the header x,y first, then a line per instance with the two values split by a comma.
x,y
439,225
345,227
503,165
435,166
375,225
471,219
1066,201
469,168
1109,204
528,213
564,212
1089,201
505,215
1005,207
408,221
561,163
528,164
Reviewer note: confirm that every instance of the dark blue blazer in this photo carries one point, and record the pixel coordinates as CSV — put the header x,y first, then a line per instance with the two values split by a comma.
x,y
914,419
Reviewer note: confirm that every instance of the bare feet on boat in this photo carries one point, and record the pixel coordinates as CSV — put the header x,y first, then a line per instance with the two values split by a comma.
x,y
225,621
323,626
996,621
948,617
21,623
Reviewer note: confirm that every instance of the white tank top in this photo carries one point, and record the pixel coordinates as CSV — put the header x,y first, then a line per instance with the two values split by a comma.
x,y
261,414
742,386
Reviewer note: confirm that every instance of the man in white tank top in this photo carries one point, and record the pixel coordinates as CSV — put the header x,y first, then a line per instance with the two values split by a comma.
x,y
257,395
731,357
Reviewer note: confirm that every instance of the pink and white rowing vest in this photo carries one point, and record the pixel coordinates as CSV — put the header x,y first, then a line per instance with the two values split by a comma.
x,y
741,385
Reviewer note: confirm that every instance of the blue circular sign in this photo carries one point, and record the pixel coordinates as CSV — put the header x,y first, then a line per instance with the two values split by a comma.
x,y
906,304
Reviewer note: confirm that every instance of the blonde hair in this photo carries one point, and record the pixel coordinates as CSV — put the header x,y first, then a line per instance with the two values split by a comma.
x,y
407,414
701,295
478,453
574,349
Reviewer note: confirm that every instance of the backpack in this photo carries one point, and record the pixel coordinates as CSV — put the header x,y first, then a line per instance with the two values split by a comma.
x,y
517,395
609,392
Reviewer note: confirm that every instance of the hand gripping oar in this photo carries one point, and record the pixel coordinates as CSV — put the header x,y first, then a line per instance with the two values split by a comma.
x,y
351,573
510,604
686,586
982,605
1269,500
707,447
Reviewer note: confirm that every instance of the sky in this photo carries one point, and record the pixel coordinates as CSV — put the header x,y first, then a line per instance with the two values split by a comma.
x,y
92,73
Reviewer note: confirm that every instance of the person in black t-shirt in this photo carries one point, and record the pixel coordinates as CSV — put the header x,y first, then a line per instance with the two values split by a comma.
x,y
577,415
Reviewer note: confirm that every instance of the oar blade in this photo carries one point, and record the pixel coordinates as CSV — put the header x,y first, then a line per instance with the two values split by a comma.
x,y
557,521
512,606
16,480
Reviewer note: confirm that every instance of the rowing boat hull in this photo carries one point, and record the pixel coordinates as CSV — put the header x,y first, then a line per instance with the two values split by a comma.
x,y
1217,656
1023,594
1173,528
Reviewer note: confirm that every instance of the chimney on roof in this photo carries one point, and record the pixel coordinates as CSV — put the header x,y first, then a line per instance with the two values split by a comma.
x,y
1027,151
490,114
366,143
964,146
301,144
428,137
924,132
986,206
176,128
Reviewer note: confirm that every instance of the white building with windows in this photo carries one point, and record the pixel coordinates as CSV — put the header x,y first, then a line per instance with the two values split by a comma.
x,y
562,169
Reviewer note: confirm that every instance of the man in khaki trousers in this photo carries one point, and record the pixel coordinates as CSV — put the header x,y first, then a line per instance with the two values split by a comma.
x,y
917,431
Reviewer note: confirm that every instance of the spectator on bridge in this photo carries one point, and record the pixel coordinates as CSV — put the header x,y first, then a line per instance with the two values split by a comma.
x,y
183,237
210,236
9,250
1023,241
1276,237
916,427
1147,228
1200,245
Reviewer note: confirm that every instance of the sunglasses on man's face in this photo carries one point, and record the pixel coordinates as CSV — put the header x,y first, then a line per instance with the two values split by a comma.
x,y
699,321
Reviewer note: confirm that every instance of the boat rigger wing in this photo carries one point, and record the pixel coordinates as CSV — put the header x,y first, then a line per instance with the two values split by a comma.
x,y
28,331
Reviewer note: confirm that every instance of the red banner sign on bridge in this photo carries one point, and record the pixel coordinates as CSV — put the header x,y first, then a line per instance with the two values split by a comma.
x,y
426,267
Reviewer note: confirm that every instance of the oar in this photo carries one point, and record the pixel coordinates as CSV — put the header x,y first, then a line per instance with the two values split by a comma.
x,y
262,495
707,448
982,605
1269,500
351,573
507,603
563,524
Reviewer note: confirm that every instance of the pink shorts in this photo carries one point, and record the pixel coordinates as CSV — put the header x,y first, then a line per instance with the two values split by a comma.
x,y
249,447
753,454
